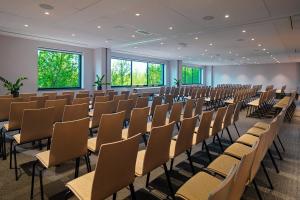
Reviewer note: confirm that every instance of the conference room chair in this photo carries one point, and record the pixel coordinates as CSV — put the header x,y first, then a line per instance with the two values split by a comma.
x,y
169,99
111,94
141,102
5,96
175,115
127,106
216,126
37,124
188,109
199,107
81,100
59,106
51,95
69,142
109,176
116,100
71,94
159,117
110,130
67,97
181,94
236,116
75,112
26,96
227,120
126,93
84,92
14,120
40,100
82,95
100,108
134,97
97,94
202,131
157,100
4,108
156,154
161,91
167,90
183,142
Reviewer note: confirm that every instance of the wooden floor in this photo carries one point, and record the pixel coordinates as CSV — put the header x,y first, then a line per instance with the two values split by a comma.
x,y
286,184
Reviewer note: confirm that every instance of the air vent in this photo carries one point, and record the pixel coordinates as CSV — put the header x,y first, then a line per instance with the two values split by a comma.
x,y
46,6
208,18
182,44
240,40
143,32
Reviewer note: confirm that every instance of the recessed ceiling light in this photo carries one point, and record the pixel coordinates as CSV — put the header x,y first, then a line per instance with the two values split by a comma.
x,y
137,14
263,49
244,31
26,25
162,43
237,54
106,41
73,35
229,52
135,47
207,18
243,57
210,44
206,50
259,45
268,52
178,48
227,16
133,36
98,27
252,39
46,13
196,38
170,28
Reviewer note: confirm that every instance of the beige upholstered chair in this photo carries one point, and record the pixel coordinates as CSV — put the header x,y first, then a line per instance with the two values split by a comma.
x,y
59,105
183,142
75,112
202,132
82,95
175,115
67,97
71,94
127,106
134,97
169,99
4,108
51,95
37,124
101,99
216,125
6,96
110,130
126,93
137,124
40,100
109,176
227,121
116,100
188,109
26,96
82,100
111,94
156,101
100,109
199,106
236,115
69,142
159,117
156,153
141,102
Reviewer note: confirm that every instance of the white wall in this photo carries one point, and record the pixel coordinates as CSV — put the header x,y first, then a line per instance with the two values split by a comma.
x,y
267,74
18,57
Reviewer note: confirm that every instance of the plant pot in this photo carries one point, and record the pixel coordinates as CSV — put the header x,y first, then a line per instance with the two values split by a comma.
x,y
15,93
99,87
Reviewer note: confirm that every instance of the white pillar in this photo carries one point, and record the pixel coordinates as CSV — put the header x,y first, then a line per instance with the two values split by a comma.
x,y
102,60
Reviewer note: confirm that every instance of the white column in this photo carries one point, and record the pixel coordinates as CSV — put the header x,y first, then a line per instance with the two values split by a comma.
x,y
102,60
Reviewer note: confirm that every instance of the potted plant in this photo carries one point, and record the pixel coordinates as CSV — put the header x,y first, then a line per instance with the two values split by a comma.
x,y
14,88
177,82
99,82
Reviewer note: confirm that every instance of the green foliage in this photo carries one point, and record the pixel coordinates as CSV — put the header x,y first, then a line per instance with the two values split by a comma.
x,y
58,69
139,73
177,82
120,72
13,87
155,74
99,81
191,75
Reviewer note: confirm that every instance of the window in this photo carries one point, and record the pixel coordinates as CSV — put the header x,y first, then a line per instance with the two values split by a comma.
x,y
191,75
136,73
120,72
58,69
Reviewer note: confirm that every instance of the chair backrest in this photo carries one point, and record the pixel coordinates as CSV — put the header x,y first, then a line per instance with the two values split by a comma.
x,y
203,130
16,113
126,93
111,176
175,114
222,191
188,108
138,121
116,100
167,90
4,108
37,124
6,96
185,135
84,92
156,101
169,100
51,95
101,108
68,98
111,94
40,100
141,102
160,114
134,97
59,106
82,95
127,106
71,94
161,91
237,110
69,141
26,96
75,112
110,128
218,121
158,147
228,115
199,105
101,99
85,100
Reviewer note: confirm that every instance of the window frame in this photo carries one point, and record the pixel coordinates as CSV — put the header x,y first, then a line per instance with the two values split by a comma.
x,y
147,73
62,51
200,75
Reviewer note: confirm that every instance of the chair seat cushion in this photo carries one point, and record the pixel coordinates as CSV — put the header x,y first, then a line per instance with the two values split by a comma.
x,y
255,131
149,127
238,150
223,164
44,158
262,125
82,186
92,144
172,149
254,103
17,138
198,187
139,166
247,139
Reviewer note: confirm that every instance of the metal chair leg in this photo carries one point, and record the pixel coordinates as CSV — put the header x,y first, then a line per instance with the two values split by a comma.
x,y
169,181
147,180
41,184
171,165
257,190
15,160
207,150
132,192
267,175
229,135
219,140
32,178
77,167
10,154
280,143
87,162
277,150
114,196
273,161
190,161
236,129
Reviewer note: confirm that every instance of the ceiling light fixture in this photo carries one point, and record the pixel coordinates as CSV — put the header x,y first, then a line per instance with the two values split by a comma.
x,y
137,14
46,13
196,38
244,31
73,35
227,16
162,43
229,52
133,36
170,28
210,44
206,50
259,45
98,27
26,25
252,39
263,49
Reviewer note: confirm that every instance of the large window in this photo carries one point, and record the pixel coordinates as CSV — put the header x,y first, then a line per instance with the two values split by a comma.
x,y
58,69
191,75
136,73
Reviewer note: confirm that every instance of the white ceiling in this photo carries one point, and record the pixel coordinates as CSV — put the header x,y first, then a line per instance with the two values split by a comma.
x,y
268,21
